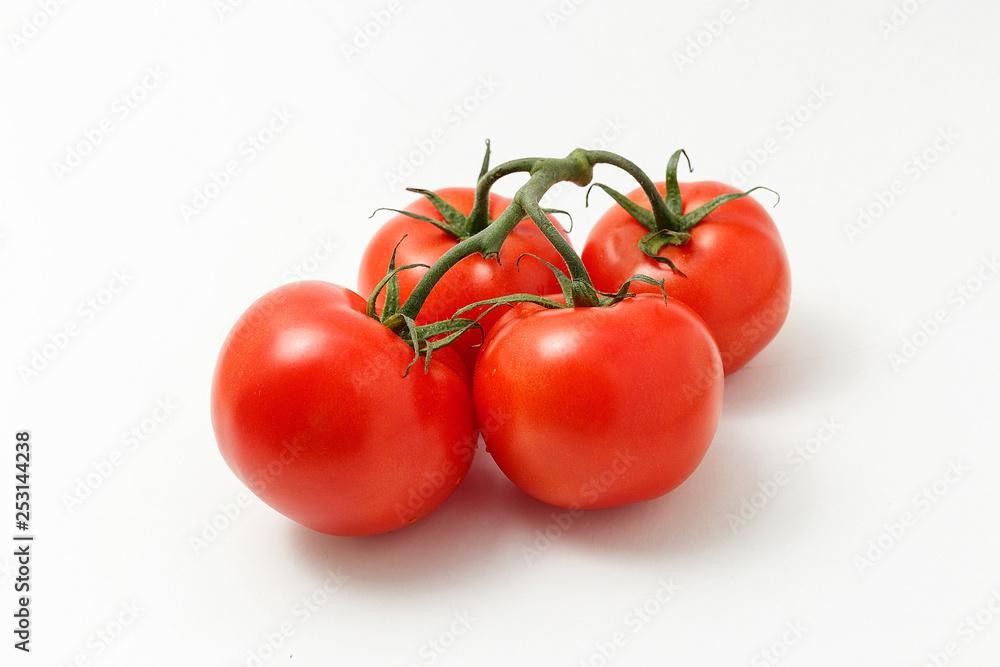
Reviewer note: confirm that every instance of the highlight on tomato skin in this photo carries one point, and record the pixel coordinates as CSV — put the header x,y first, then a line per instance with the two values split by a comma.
x,y
605,406
311,410
734,271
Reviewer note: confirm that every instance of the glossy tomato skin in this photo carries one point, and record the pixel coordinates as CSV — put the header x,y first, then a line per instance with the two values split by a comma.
x,y
599,407
737,274
472,279
311,411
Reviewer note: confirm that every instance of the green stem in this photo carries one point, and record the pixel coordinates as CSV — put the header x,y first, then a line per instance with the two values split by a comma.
x,y
529,201
576,168
486,238
479,216
665,219
487,243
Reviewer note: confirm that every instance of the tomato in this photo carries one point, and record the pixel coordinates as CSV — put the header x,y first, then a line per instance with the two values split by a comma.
x,y
599,406
311,410
736,273
472,279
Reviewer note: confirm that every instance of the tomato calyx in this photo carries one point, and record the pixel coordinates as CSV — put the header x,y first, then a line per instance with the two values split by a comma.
x,y
487,242
453,221
582,293
668,225
575,293
478,235
425,338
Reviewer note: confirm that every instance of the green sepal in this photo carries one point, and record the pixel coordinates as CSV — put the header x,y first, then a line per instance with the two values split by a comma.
x,y
651,244
510,300
422,338
453,222
486,161
390,283
381,285
454,219
411,328
672,196
584,295
643,216
443,226
674,204
552,211
611,298
478,218
697,215
664,219
639,277
454,328
428,331
391,304
565,282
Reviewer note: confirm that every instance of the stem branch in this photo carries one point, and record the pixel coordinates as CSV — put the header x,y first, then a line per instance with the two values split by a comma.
x,y
545,172
487,238
665,219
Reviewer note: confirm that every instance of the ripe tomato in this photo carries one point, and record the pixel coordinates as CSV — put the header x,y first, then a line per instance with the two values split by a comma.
x,y
736,272
602,406
472,279
312,412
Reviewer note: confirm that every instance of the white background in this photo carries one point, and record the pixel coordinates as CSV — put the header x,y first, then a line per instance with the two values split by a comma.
x,y
837,107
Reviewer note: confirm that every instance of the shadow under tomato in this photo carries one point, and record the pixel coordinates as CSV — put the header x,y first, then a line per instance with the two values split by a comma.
x,y
812,359
489,525
685,523
458,540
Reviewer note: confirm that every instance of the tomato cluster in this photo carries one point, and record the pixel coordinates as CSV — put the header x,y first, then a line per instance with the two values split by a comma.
x,y
586,394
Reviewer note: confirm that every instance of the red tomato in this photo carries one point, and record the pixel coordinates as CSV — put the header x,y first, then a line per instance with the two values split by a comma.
x,y
599,406
737,274
312,412
472,279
